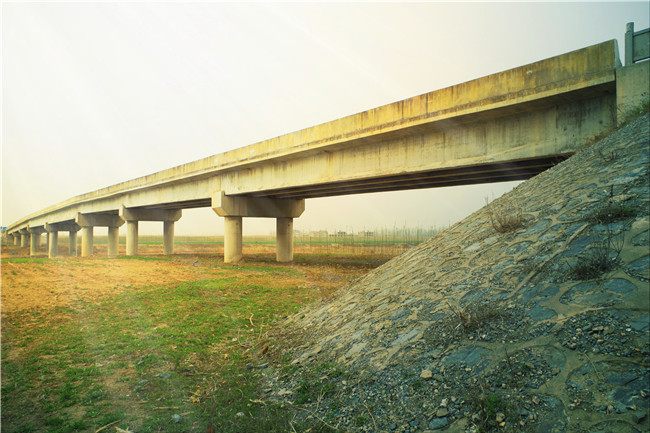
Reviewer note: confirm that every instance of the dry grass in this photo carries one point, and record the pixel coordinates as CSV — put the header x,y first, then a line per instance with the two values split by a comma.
x,y
90,342
504,217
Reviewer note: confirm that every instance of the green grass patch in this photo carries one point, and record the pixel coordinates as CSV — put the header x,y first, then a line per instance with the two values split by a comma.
x,y
610,212
38,260
182,346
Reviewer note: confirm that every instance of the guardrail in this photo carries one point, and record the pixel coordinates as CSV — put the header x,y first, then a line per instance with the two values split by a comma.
x,y
637,45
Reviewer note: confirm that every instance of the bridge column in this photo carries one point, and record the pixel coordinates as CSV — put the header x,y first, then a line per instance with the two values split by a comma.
x,y
132,238
113,240
72,241
35,239
24,237
89,221
87,241
168,237
53,230
232,239
233,208
53,250
284,240
133,215
16,239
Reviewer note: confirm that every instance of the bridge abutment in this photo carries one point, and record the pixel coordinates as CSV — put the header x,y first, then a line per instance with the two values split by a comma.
x,y
234,208
632,84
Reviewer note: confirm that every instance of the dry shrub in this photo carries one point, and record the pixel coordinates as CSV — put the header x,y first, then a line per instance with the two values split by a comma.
x,y
504,216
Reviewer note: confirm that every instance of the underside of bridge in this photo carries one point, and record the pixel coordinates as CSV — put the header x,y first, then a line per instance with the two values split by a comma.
x,y
487,173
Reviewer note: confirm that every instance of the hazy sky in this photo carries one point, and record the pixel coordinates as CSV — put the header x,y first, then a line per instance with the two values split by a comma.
x,y
94,94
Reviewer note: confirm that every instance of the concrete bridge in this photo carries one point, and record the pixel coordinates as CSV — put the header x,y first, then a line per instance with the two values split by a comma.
x,y
506,126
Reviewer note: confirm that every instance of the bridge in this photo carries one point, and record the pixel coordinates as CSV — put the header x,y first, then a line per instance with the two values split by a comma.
x,y
506,126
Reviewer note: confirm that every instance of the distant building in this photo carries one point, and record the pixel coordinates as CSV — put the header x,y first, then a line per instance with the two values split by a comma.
x,y
318,233
365,234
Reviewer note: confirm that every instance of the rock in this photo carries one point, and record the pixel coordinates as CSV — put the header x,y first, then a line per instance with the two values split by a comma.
x,y
438,423
426,374
539,314
500,417
442,412
621,378
639,416
176,418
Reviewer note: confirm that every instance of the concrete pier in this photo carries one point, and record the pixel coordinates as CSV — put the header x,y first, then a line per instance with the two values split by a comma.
x,y
132,238
24,238
113,241
232,239
34,242
133,215
72,240
90,220
233,208
284,240
35,239
168,237
16,239
87,241
53,249
53,236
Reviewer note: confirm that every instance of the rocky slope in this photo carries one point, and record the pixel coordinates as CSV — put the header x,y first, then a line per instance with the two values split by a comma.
x,y
531,315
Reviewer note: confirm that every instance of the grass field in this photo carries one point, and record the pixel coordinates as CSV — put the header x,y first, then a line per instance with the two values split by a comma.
x,y
140,343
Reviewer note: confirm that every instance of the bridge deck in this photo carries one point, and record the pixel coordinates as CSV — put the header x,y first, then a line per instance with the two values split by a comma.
x,y
505,126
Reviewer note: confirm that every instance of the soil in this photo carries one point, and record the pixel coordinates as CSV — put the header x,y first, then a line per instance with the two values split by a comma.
x,y
56,283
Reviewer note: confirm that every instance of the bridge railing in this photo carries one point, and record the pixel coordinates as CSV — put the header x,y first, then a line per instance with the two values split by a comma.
x,y
637,44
